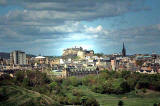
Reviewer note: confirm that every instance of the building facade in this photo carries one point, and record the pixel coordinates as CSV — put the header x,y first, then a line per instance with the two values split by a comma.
x,y
18,58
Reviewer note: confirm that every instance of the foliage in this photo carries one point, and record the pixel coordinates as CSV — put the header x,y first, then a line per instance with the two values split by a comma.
x,y
52,86
120,103
155,104
72,81
3,95
20,76
67,92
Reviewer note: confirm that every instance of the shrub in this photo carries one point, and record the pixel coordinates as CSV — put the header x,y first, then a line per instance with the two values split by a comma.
x,y
155,104
125,87
89,101
20,76
97,88
52,86
77,92
120,103
3,95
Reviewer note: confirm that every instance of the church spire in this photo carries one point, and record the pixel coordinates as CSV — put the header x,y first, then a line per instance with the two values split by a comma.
x,y
124,51
123,45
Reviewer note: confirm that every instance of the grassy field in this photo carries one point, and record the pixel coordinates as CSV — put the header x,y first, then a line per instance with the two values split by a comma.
x,y
130,99
21,96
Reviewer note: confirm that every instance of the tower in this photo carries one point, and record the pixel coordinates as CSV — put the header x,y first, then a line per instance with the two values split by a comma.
x,y
18,57
124,51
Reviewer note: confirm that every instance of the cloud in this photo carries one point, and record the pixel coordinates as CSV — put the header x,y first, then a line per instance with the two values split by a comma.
x,y
3,2
55,12
138,39
75,33
52,24
94,30
158,26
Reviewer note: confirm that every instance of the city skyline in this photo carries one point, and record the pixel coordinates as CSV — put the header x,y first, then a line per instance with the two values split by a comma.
x,y
48,27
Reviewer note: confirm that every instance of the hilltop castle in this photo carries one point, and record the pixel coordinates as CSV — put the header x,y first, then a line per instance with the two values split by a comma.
x,y
78,51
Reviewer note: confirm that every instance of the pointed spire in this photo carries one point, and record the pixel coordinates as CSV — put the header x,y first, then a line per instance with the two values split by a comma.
x,y
123,50
123,46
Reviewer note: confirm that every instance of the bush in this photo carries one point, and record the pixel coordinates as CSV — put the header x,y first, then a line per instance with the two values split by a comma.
x,y
74,100
72,81
155,104
5,77
77,92
144,90
52,86
120,103
142,84
37,78
92,102
125,87
132,83
62,100
98,88
89,80
89,101
3,95
20,76
25,82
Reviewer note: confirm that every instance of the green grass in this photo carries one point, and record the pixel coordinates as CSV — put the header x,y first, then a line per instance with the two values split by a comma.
x,y
130,99
21,96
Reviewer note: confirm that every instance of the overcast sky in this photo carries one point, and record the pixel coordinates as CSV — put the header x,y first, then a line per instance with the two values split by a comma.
x,y
47,27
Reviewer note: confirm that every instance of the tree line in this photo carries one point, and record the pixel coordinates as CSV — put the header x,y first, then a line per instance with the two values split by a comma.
x,y
66,92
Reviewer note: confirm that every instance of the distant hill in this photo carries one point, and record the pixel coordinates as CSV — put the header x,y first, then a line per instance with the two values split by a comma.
x,y
4,55
7,55
30,55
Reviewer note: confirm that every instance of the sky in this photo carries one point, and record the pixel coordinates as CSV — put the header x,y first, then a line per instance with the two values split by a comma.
x,y
47,27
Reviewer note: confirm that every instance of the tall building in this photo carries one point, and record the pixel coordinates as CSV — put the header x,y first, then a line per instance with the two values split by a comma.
x,y
18,57
124,51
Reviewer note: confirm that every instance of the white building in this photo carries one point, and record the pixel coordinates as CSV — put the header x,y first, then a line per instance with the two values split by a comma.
x,y
61,61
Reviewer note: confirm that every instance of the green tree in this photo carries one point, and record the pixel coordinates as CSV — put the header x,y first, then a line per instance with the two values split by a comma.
x,y
3,95
125,87
20,76
25,82
52,86
91,102
144,83
155,104
77,92
98,88
125,74
132,83
75,81
120,103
